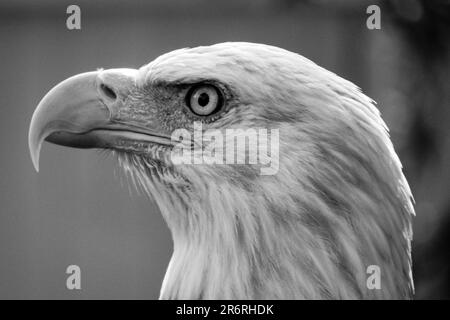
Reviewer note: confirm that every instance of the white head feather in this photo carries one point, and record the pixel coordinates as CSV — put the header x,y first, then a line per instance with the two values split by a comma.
x,y
338,204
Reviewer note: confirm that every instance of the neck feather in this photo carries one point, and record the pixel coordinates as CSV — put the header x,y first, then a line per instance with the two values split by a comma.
x,y
310,232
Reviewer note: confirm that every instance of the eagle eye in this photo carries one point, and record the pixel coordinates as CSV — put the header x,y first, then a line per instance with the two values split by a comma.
x,y
204,100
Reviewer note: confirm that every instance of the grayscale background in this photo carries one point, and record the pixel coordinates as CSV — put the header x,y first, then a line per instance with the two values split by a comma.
x,y
77,210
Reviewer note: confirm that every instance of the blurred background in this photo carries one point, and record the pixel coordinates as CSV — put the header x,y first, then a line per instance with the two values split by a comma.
x,y
78,211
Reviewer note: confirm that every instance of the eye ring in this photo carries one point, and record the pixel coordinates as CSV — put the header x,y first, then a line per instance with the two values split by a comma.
x,y
204,100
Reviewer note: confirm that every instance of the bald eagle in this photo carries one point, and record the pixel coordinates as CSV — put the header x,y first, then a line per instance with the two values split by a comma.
x,y
337,204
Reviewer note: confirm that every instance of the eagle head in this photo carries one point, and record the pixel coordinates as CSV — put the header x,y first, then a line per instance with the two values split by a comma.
x,y
301,207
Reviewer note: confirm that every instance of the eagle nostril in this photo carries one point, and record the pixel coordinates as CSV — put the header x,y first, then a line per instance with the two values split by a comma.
x,y
107,91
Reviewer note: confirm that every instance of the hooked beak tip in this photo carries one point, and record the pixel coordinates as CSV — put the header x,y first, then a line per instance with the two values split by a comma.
x,y
35,160
36,164
35,148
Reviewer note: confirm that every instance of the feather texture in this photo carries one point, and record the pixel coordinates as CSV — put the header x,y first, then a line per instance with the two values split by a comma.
x,y
338,203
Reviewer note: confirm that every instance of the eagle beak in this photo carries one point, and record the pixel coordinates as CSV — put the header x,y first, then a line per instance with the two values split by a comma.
x,y
80,111
70,108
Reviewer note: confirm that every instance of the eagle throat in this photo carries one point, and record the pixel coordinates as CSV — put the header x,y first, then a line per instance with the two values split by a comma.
x,y
245,241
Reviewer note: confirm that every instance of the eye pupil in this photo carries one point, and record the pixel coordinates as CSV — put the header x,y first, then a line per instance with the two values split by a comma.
x,y
203,99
